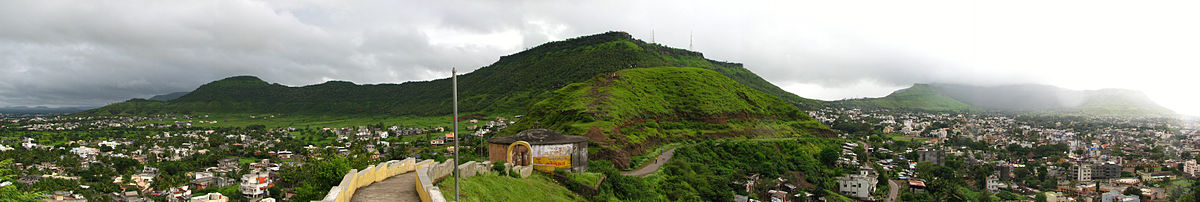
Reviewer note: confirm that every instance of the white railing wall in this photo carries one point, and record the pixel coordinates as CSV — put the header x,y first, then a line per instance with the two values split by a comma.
x,y
429,173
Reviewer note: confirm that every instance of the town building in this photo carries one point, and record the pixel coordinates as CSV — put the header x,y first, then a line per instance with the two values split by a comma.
x,y
1106,171
993,183
932,155
255,184
859,185
1054,197
206,180
211,197
1080,172
541,147
1116,196
1191,168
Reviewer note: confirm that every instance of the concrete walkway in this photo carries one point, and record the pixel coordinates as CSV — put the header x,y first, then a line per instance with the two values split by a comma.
x,y
397,188
653,166
893,190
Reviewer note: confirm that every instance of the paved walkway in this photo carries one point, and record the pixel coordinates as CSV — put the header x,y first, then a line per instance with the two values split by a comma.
x,y
893,190
652,167
402,187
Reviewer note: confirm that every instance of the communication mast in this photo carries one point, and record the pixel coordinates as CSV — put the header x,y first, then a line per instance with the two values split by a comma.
x,y
691,37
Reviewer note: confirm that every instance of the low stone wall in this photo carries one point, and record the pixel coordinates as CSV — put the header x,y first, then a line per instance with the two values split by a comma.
x,y
428,177
522,171
428,172
371,174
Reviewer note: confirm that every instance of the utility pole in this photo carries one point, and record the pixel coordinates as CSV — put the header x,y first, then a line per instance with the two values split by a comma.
x,y
454,79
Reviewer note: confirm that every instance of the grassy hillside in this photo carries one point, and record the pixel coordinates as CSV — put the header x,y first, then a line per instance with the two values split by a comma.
x,y
168,96
511,85
1116,102
490,187
919,97
1038,99
626,112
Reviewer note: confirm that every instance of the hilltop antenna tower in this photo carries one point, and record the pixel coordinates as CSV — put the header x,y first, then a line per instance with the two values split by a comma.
x,y
652,36
691,38
454,78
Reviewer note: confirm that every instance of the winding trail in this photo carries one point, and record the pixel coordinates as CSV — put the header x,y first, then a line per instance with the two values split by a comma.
x,y
893,190
396,188
652,167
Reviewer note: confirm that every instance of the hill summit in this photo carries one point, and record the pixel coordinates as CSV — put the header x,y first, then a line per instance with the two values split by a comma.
x,y
510,85
632,110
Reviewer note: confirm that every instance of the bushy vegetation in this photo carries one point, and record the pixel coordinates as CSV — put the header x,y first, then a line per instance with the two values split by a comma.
x,y
11,193
510,85
707,171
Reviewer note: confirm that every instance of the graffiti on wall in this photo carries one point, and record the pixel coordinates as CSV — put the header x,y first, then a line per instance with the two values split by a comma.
x,y
557,155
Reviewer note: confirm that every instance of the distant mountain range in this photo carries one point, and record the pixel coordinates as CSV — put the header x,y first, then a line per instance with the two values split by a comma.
x,y
1015,98
511,85
516,82
626,95
43,110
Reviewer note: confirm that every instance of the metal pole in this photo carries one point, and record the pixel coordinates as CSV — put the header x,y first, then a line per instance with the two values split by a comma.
x,y
454,78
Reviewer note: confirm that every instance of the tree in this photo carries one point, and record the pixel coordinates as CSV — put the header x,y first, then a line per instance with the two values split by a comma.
x,y
1050,184
11,192
1132,191
828,156
124,165
1040,197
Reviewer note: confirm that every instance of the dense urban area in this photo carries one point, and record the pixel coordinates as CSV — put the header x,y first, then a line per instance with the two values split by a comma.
x,y
178,158
887,155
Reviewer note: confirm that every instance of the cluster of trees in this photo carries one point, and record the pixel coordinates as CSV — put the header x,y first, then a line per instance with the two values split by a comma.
x,y
708,171
11,192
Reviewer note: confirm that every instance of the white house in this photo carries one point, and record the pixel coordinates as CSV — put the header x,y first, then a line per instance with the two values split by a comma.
x,y
859,185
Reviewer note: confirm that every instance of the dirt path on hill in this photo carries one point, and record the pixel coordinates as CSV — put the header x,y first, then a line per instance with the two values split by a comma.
x,y
652,167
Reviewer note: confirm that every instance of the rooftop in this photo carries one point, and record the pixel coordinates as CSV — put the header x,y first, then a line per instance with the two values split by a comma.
x,y
538,137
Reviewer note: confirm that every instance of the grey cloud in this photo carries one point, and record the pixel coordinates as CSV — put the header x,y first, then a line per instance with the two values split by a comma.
x,y
80,54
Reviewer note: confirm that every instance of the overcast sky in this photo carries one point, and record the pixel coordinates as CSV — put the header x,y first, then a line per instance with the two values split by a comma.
x,y
69,53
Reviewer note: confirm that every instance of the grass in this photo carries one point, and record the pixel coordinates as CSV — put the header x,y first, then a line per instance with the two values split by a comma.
x,y
650,155
247,160
918,97
490,187
645,105
590,179
901,137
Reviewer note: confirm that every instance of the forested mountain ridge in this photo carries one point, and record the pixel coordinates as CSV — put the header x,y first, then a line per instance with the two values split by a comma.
x,y
510,85
1028,98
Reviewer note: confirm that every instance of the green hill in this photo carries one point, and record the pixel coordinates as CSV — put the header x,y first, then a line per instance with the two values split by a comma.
x,y
510,85
919,97
632,110
168,96
1041,99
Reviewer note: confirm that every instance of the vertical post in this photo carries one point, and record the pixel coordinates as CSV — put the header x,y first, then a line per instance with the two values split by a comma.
x,y
454,79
